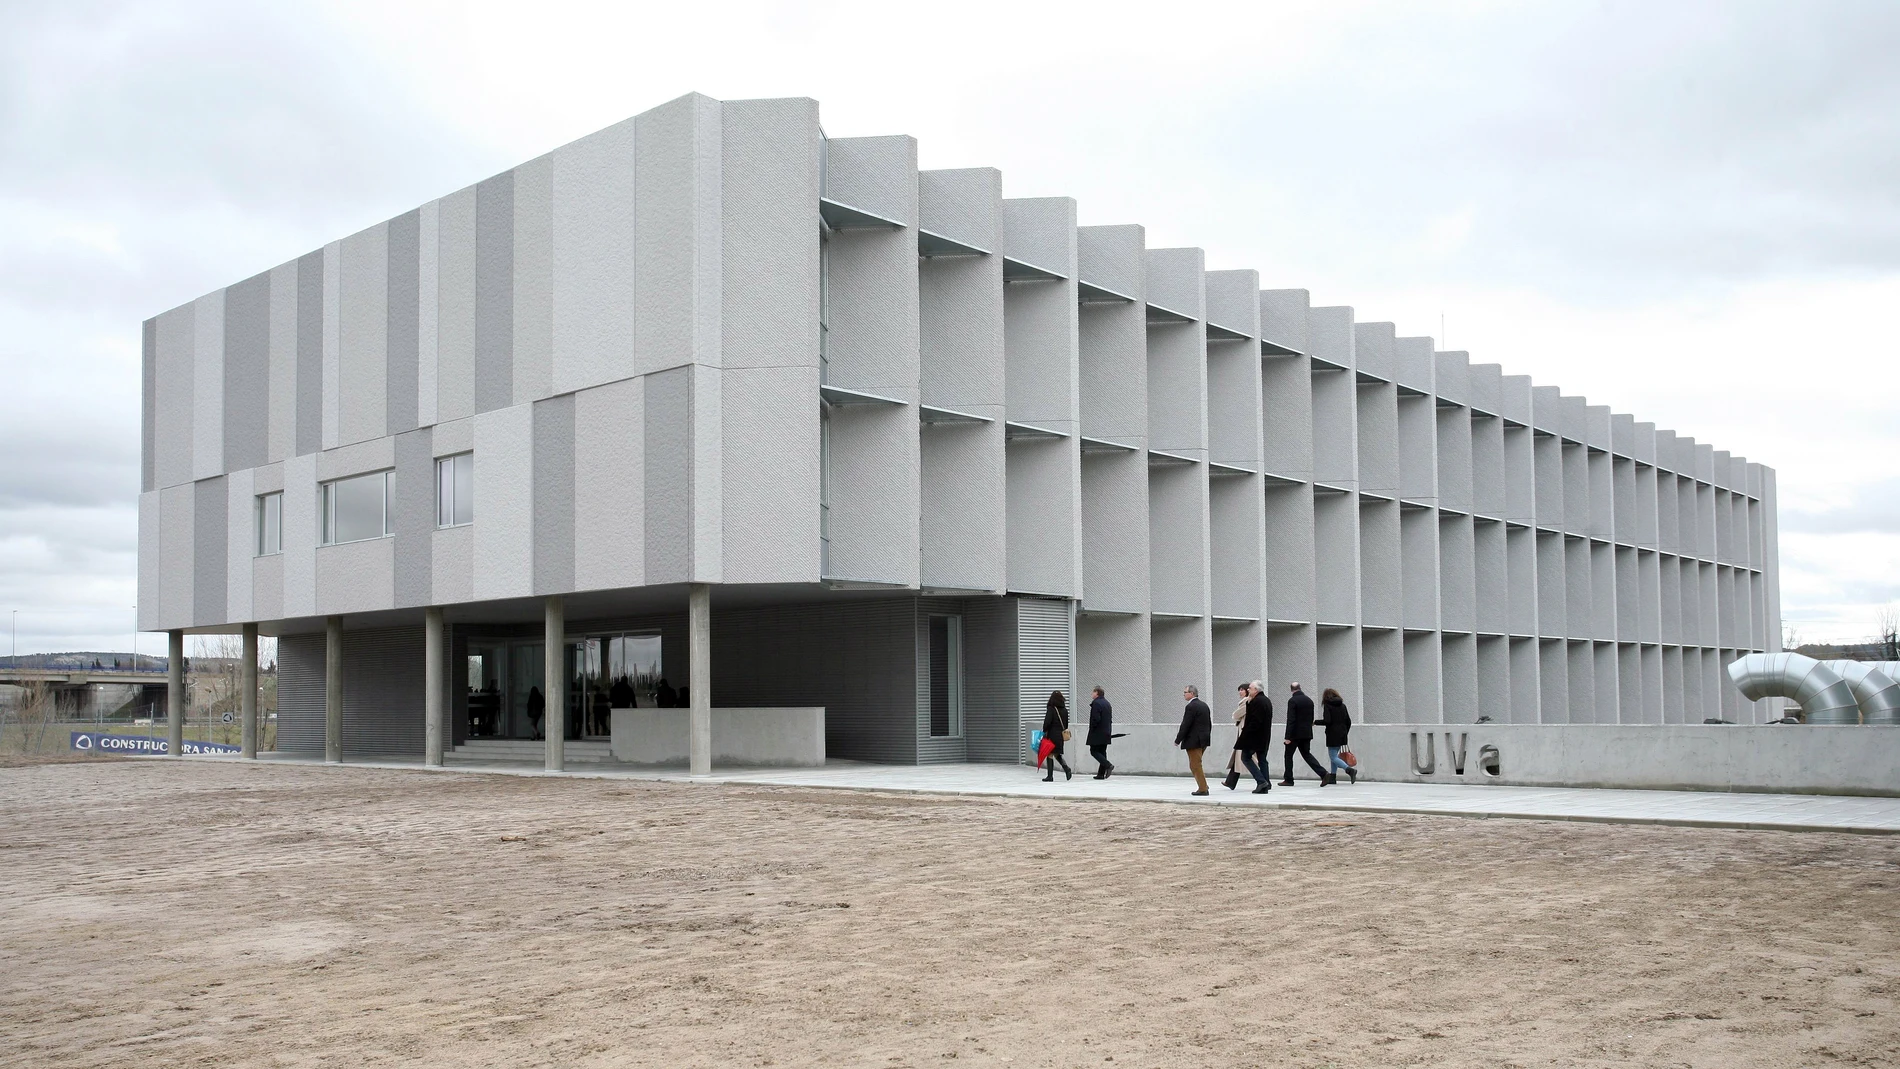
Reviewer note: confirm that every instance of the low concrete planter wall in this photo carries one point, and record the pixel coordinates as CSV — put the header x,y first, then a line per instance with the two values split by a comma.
x,y
1803,759
764,738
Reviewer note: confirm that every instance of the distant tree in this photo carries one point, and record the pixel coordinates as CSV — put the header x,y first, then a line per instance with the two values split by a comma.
x,y
1887,631
35,712
215,672
1791,638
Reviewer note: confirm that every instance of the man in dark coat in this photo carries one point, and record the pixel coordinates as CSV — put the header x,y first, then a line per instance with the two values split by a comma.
x,y
1255,733
1196,734
1299,736
1101,733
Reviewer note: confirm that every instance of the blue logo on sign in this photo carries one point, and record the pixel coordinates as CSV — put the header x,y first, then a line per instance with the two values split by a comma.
x,y
102,742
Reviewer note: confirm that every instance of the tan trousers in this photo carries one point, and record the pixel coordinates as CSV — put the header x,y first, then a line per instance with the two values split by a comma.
x,y
1194,763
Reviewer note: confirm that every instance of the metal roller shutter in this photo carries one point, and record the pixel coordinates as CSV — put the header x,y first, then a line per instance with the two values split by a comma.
x,y
300,694
1045,648
382,693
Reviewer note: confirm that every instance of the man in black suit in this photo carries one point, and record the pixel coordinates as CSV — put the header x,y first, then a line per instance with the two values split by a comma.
x,y
1299,736
1255,734
1101,733
1196,734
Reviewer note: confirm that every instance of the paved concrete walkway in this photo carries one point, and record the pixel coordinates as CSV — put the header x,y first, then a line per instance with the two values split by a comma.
x,y
1786,812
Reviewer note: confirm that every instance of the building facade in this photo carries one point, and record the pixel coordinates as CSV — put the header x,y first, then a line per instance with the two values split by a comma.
x,y
928,453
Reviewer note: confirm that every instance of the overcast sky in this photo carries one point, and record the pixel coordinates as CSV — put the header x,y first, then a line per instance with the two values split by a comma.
x,y
1690,212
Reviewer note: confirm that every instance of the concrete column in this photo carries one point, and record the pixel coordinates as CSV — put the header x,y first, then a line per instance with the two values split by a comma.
x,y
247,691
553,683
175,694
434,717
699,677
333,690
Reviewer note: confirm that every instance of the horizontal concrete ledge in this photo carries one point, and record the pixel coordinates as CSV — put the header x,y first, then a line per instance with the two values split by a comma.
x,y
1862,816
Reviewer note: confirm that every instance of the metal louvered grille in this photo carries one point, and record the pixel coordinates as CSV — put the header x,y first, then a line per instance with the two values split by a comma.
x,y
382,693
300,694
1045,644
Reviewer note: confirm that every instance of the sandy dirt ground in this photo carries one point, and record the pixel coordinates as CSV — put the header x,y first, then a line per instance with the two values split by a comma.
x,y
199,914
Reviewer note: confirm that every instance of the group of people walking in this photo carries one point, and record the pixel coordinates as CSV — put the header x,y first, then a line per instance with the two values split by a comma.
x,y
1056,731
1253,717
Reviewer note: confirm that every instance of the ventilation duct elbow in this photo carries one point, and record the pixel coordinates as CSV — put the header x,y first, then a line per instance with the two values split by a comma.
x,y
1818,689
1874,689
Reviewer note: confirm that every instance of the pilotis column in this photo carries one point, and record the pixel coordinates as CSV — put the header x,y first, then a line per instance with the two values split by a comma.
x,y
432,712
175,693
333,690
699,678
247,691
553,679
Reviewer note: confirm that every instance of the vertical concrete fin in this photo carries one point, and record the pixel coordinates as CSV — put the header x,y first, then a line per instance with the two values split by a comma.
x,y
553,512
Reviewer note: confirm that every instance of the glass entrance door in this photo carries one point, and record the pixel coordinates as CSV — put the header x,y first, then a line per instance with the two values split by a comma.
x,y
527,706
603,672
633,665
606,672
487,693
586,690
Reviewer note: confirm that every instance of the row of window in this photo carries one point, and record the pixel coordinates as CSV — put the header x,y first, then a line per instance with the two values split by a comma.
x,y
363,506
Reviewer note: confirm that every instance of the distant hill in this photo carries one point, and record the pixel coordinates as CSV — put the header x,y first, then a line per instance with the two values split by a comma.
x,y
1848,651
67,662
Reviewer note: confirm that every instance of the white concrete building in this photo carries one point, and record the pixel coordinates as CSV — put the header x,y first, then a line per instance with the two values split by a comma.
x,y
927,452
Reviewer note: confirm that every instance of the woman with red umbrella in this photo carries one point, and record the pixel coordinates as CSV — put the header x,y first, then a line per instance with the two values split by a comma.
x,y
1055,729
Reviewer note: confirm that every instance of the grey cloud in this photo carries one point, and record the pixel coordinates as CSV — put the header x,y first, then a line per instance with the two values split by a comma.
x,y
239,104
83,464
75,535
1611,149
214,141
69,573
1875,508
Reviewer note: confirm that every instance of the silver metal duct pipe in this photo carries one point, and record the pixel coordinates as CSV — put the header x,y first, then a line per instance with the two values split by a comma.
x,y
1818,689
1875,690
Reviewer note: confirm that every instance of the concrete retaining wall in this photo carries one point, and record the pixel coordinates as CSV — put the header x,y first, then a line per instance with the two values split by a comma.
x,y
776,738
1801,759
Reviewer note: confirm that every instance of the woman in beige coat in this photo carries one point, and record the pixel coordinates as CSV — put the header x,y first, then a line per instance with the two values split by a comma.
x,y
1240,721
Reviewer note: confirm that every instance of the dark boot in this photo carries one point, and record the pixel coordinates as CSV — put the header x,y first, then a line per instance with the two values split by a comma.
x,y
1262,789
1352,775
1328,780
1286,783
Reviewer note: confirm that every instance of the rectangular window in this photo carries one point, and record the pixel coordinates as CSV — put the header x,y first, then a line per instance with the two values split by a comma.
x,y
455,490
946,676
269,523
357,508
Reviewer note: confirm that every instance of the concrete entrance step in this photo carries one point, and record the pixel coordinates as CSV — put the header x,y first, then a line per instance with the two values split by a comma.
x,y
575,751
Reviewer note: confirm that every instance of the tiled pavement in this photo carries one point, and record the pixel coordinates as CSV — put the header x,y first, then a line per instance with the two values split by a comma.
x,y
1789,812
